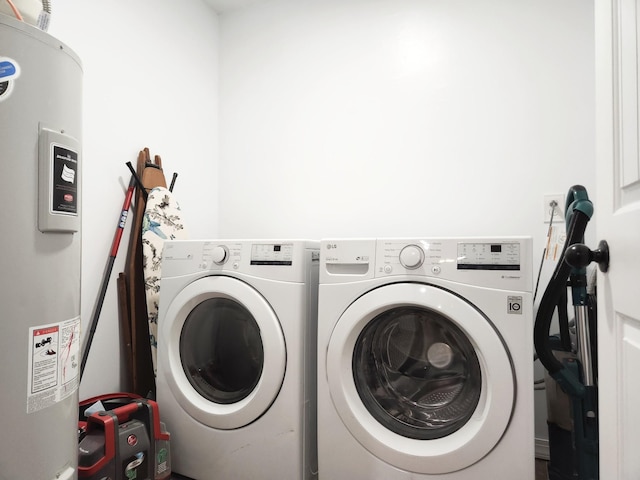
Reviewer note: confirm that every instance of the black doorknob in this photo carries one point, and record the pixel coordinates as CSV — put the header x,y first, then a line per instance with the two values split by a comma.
x,y
579,255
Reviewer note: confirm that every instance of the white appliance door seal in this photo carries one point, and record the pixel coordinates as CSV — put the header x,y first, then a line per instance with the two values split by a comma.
x,y
457,450
218,414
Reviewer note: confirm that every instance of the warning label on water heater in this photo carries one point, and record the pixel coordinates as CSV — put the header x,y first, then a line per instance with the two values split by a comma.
x,y
53,363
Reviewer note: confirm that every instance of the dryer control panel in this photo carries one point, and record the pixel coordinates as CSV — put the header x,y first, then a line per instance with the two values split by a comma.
x,y
272,254
287,260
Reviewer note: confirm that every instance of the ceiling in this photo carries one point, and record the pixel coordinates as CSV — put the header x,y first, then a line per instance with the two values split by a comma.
x,y
222,6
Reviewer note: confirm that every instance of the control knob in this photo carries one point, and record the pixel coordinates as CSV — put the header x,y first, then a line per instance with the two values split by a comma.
x,y
219,254
411,257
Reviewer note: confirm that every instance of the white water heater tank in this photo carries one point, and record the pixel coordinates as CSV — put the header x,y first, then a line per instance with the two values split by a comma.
x,y
40,166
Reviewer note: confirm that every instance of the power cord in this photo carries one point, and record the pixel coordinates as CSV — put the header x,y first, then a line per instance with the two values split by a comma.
x,y
15,10
539,384
553,206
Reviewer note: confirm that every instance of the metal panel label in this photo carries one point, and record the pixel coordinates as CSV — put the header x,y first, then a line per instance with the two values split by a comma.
x,y
514,305
64,194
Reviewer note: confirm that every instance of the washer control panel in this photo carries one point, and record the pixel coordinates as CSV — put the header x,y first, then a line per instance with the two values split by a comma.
x,y
485,261
401,257
488,256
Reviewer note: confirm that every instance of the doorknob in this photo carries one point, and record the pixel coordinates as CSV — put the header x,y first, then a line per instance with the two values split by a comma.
x,y
579,255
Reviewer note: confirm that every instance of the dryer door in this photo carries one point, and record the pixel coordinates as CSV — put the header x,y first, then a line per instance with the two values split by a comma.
x,y
224,352
420,377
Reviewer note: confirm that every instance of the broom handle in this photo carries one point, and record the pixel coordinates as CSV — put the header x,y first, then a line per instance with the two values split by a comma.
x,y
122,220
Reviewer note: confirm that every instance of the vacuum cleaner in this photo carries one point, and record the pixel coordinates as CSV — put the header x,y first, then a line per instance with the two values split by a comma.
x,y
121,437
572,392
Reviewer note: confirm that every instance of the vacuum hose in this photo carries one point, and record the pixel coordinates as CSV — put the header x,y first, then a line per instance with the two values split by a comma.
x,y
578,451
553,293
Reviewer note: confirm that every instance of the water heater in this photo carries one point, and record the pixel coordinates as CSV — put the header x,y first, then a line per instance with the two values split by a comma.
x,y
40,166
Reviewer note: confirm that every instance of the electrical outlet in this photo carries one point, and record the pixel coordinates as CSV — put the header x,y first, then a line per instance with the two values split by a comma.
x,y
558,213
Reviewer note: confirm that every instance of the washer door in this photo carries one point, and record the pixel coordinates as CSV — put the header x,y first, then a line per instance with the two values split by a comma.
x,y
224,352
420,378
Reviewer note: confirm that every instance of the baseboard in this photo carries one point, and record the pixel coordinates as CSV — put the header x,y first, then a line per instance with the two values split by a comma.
x,y
542,448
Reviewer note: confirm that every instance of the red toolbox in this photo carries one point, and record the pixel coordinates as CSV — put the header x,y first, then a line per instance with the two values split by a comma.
x,y
123,440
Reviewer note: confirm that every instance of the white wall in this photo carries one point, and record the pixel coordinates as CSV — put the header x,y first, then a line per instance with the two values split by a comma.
x,y
404,118
400,117
150,80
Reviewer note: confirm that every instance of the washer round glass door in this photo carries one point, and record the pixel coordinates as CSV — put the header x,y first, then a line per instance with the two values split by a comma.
x,y
225,351
420,377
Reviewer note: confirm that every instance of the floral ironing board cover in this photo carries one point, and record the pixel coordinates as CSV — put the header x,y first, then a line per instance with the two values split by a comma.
x,y
162,221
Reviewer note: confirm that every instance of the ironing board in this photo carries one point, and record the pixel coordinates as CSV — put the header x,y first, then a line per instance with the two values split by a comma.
x,y
162,221
131,289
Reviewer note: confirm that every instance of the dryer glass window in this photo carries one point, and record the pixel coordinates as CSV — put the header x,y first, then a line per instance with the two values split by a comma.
x,y
417,373
221,350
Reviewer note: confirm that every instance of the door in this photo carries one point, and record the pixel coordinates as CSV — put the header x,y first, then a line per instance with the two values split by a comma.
x,y
617,220
412,378
224,352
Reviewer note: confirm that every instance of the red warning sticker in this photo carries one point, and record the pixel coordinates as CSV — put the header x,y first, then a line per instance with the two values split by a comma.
x,y
53,363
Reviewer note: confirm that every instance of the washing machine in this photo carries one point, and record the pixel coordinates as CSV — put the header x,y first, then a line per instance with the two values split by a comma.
x,y
425,359
236,381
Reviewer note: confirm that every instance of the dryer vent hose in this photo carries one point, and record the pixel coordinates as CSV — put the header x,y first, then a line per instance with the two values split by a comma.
x,y
556,288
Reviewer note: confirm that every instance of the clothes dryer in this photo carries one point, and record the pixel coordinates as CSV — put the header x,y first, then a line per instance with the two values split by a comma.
x,y
425,359
237,358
